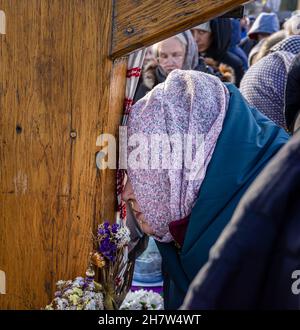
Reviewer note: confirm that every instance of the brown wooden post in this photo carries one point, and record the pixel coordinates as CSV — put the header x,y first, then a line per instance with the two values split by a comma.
x,y
58,91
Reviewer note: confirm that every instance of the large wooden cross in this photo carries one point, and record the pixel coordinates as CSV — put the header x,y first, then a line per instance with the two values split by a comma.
x,y
62,82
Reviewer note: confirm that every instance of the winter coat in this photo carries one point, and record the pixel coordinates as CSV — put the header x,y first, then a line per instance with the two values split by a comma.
x,y
255,264
219,49
246,144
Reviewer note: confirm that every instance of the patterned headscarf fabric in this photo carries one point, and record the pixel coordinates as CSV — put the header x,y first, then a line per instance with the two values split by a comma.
x,y
263,85
290,44
188,102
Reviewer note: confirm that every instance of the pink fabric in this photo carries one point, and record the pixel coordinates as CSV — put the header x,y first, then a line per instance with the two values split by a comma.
x,y
187,102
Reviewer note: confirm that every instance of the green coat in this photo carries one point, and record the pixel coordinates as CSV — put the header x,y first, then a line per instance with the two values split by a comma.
x,y
247,142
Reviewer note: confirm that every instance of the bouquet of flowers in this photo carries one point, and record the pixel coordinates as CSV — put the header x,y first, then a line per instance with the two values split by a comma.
x,y
113,269
143,300
80,294
108,278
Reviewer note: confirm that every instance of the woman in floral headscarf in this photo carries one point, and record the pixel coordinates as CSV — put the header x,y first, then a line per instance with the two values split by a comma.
x,y
185,207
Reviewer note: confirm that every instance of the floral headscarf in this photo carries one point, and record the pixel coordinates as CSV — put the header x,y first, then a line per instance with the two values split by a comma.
x,y
188,102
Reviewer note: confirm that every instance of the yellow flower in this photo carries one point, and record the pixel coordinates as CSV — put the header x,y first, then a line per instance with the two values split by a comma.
x,y
98,260
77,291
74,299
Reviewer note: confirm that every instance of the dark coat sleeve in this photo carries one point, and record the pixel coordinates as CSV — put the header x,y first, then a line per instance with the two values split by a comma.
x,y
292,95
251,265
141,90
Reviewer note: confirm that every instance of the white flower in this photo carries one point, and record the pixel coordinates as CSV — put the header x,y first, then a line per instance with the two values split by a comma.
x,y
68,292
99,301
60,303
91,305
142,299
49,307
60,284
78,291
122,236
76,297
89,294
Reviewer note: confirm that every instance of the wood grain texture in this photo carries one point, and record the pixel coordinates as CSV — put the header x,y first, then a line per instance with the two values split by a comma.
x,y
140,23
55,78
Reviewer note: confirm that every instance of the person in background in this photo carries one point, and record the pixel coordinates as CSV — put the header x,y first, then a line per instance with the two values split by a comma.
x,y
273,5
245,26
235,41
149,56
292,25
178,52
263,86
254,8
265,25
247,44
185,208
270,42
213,39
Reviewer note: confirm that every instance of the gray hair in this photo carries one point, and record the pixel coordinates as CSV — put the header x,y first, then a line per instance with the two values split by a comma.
x,y
191,49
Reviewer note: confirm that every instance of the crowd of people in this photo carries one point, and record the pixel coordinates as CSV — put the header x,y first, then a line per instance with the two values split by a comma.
x,y
230,239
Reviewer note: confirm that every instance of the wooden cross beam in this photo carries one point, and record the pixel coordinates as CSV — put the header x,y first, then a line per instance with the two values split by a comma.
x,y
137,23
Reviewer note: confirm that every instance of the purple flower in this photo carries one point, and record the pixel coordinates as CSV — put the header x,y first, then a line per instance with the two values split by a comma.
x,y
108,248
57,294
105,244
101,231
111,258
114,228
88,279
107,240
